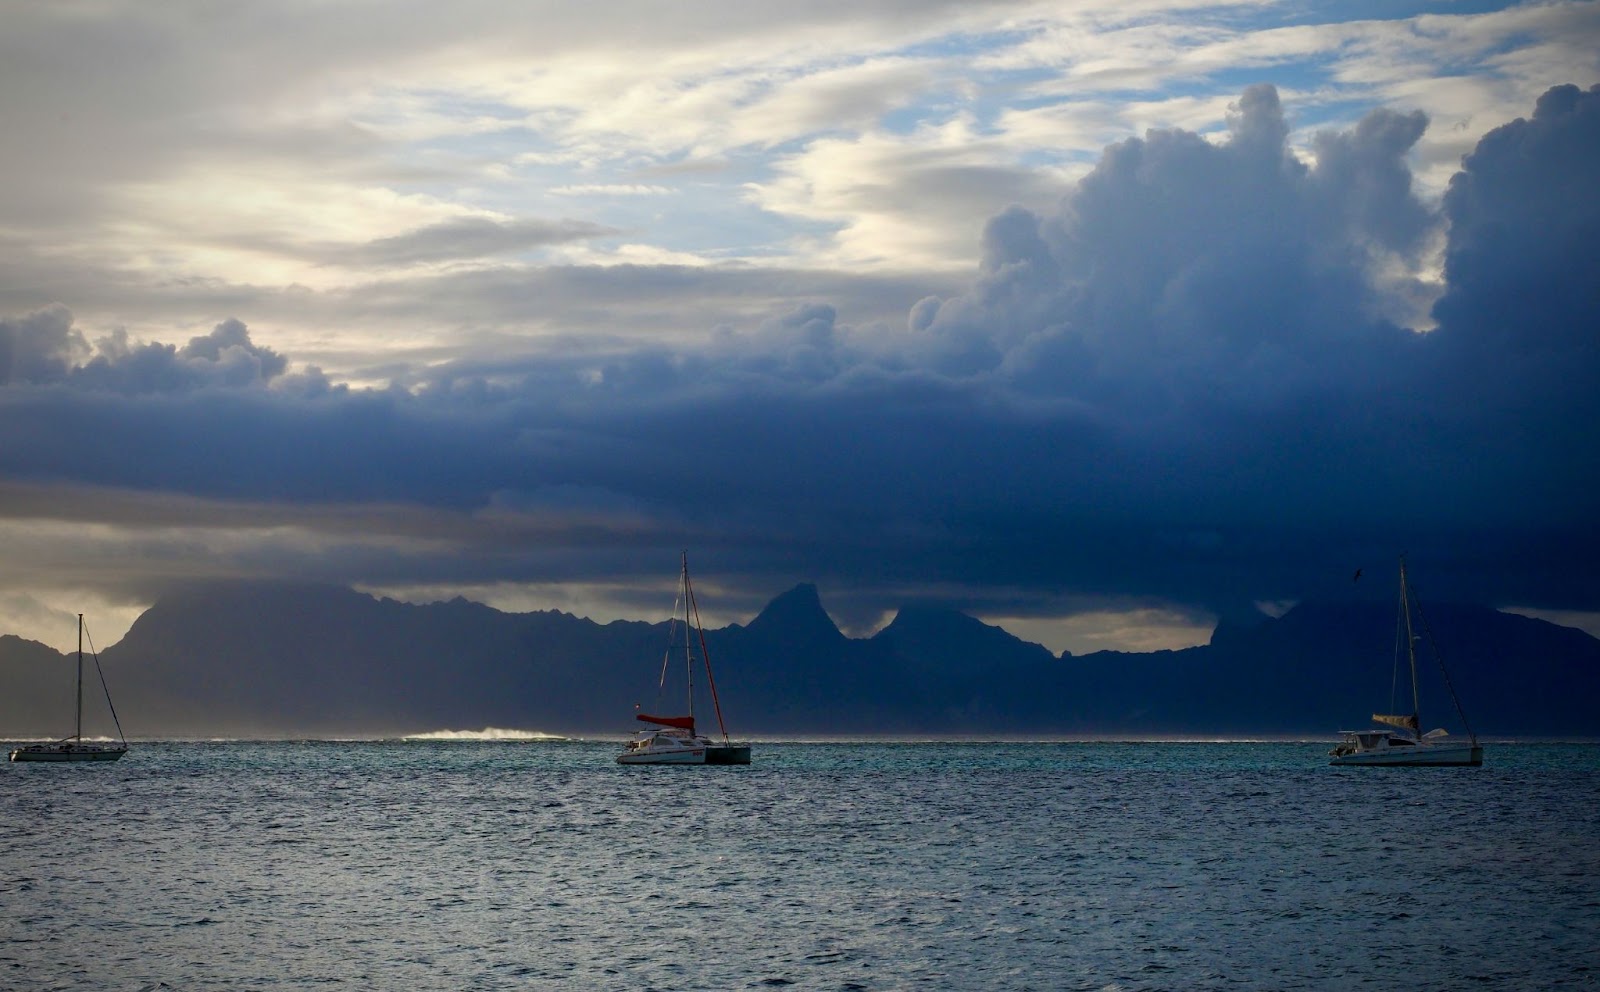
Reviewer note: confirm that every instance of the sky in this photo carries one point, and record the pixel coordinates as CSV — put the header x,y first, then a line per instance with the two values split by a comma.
x,y
1105,322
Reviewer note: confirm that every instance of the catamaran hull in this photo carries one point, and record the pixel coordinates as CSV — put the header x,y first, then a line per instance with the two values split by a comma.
x,y
1414,757
729,755
48,753
697,756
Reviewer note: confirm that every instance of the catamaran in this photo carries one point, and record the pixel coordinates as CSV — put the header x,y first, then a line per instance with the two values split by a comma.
x,y
1406,744
74,748
673,740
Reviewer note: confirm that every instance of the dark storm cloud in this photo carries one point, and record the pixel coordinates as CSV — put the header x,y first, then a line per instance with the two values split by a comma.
x,y
39,347
1185,383
1182,269
1515,394
43,348
1224,307
1524,224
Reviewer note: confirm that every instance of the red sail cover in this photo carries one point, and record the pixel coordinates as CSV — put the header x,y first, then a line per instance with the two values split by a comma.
x,y
681,722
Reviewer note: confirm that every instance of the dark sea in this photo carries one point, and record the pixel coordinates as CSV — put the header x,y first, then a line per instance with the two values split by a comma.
x,y
419,865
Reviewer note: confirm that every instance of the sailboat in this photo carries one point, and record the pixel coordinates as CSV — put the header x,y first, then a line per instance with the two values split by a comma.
x,y
73,748
674,740
1406,744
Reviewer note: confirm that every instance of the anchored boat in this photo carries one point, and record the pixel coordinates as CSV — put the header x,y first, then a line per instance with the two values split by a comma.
x,y
674,740
1406,744
74,748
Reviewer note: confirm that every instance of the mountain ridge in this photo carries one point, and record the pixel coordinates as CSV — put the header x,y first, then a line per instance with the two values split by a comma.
x,y
277,659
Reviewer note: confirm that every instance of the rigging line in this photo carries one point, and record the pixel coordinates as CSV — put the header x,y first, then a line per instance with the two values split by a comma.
x,y
704,654
103,687
1411,651
688,638
1399,635
1439,659
688,631
666,656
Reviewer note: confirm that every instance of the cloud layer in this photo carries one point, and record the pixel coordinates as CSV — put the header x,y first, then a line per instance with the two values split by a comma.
x,y
1208,376
475,182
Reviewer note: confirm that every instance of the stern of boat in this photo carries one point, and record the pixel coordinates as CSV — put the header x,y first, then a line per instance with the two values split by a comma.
x,y
731,754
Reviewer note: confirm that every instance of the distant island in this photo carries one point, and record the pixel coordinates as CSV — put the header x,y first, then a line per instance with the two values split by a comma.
x,y
276,660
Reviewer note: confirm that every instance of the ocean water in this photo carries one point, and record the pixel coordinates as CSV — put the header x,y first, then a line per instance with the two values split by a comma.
x,y
422,865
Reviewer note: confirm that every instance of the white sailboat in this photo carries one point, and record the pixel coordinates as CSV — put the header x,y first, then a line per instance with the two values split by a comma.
x,y
1406,744
74,748
673,740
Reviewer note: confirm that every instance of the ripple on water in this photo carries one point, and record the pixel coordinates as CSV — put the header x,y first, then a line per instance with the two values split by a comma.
x,y
431,865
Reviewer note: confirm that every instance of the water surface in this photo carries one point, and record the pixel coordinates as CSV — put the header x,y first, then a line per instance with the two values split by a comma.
x,y
516,865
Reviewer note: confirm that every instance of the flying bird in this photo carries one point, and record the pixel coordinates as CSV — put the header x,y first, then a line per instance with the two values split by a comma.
x,y
1356,576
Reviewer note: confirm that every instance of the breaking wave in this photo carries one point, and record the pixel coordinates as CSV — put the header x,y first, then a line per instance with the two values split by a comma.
x,y
486,734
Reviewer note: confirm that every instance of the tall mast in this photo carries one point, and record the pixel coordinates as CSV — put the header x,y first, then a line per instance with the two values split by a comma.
x,y
1411,649
78,724
688,632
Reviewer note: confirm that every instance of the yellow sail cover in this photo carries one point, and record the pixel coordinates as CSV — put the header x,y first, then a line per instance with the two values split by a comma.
x,y
1407,721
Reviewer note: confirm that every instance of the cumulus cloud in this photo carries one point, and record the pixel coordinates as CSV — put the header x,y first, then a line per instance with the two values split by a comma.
x,y
1198,268
44,348
40,346
1517,379
1524,223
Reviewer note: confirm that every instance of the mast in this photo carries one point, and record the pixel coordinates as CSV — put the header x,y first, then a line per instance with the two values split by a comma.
x,y
688,631
77,731
1411,650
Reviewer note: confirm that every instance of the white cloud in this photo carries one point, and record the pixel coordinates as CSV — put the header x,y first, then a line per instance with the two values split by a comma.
x,y
875,134
611,189
850,98
902,202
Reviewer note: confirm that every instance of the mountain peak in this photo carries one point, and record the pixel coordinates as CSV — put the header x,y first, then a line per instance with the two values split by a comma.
x,y
796,613
925,633
934,619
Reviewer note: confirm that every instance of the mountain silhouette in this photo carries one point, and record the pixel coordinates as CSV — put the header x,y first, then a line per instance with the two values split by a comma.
x,y
280,659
